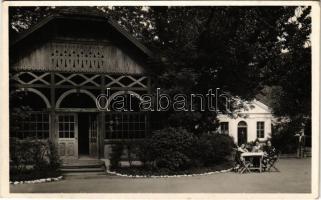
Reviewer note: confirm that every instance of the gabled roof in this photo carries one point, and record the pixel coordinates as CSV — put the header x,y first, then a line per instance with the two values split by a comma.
x,y
81,15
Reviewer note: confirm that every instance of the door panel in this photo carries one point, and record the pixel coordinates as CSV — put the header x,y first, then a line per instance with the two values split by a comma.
x,y
67,135
93,136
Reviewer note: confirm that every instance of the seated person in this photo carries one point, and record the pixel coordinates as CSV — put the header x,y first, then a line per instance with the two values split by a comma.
x,y
238,158
270,153
242,148
257,146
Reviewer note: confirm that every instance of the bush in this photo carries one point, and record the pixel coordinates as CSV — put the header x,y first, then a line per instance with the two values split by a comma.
x,y
283,137
115,155
169,149
32,159
285,141
212,149
173,150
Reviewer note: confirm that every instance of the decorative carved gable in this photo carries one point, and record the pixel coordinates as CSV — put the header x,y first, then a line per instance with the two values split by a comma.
x,y
78,57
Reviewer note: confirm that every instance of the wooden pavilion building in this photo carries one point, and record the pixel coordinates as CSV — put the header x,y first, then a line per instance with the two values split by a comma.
x,y
61,64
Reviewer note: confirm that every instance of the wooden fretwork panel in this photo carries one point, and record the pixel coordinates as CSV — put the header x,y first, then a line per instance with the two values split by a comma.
x,y
78,79
76,57
28,78
67,129
126,81
83,57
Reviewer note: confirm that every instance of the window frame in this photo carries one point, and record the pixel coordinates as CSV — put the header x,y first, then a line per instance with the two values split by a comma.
x,y
226,130
131,125
260,129
30,126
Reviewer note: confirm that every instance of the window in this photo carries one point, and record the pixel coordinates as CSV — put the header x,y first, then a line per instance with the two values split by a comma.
x,y
36,125
224,127
126,125
66,125
260,129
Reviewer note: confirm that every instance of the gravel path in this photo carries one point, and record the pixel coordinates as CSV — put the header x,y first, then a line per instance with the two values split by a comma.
x,y
295,177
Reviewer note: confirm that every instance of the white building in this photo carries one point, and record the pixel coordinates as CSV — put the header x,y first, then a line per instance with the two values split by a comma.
x,y
252,122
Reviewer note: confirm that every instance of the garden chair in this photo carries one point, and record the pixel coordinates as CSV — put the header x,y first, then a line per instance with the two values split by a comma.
x,y
245,167
240,165
271,163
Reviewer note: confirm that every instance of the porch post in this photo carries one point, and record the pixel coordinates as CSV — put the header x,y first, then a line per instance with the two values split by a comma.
x,y
101,122
53,134
102,135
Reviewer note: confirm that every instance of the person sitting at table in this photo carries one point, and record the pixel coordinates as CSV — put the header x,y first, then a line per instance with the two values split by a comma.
x,y
256,148
242,148
238,158
270,153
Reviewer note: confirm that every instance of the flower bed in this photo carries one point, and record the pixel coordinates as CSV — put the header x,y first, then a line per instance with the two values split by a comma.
x,y
43,180
141,172
32,174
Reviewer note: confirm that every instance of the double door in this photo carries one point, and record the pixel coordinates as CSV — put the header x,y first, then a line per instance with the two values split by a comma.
x,y
68,135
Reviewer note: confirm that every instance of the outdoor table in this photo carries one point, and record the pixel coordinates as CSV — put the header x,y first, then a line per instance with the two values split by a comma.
x,y
253,155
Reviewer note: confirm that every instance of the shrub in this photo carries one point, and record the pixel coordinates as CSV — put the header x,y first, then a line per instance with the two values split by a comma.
x,y
32,158
285,142
283,137
53,157
169,149
115,155
172,150
212,149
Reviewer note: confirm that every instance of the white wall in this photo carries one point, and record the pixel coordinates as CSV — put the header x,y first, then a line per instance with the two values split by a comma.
x,y
259,112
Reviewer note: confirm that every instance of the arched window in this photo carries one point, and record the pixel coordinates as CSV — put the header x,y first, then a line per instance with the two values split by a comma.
x,y
76,99
29,118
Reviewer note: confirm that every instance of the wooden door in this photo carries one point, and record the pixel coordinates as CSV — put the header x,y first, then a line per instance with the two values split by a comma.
x,y
241,135
93,136
67,127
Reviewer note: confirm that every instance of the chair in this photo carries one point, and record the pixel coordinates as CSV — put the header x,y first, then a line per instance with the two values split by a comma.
x,y
243,165
271,162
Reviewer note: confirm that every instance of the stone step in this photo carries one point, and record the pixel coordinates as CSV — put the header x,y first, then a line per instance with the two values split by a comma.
x,y
75,166
85,174
94,169
83,167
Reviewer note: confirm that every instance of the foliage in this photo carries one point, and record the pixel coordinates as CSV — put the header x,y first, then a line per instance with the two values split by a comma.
x,y
283,137
143,171
238,49
32,158
212,149
116,154
170,147
53,156
285,141
176,149
22,18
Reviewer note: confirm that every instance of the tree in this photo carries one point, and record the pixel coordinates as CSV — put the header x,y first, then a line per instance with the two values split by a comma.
x,y
237,49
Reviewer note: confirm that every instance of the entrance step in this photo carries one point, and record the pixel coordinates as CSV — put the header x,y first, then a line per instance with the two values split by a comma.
x,y
83,167
83,174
